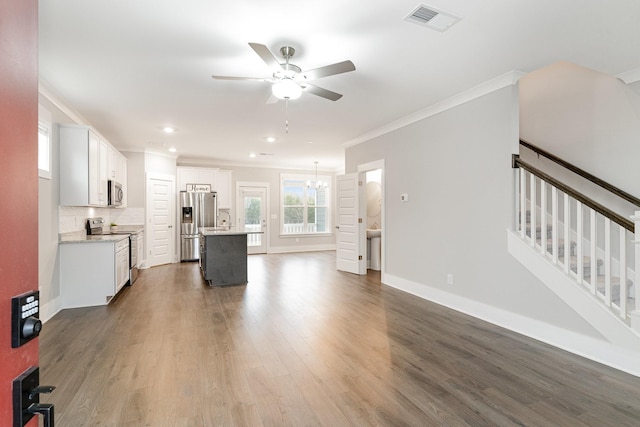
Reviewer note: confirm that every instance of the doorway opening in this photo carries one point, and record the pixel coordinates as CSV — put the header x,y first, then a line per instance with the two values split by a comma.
x,y
371,200
252,215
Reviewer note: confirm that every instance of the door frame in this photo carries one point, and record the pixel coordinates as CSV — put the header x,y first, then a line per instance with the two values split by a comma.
x,y
362,237
148,238
267,214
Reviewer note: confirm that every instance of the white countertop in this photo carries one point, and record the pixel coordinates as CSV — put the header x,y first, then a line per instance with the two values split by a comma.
x,y
81,237
211,231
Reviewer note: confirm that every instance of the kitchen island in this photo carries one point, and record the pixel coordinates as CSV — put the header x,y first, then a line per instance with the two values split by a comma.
x,y
223,256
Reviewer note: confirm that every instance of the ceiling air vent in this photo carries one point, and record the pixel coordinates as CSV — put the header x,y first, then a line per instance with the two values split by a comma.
x,y
430,17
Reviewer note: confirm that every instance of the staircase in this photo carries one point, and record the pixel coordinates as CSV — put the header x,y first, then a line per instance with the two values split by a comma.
x,y
596,283
583,251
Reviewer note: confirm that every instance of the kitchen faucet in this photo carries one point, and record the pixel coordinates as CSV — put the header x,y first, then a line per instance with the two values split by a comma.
x,y
228,223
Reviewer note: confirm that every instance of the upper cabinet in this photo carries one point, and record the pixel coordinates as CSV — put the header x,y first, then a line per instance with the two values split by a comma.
x,y
224,189
86,166
220,181
117,168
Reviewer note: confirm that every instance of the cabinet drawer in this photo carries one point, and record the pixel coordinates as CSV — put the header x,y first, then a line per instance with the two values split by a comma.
x,y
122,244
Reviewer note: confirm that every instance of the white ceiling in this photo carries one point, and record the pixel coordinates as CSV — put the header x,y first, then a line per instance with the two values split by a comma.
x,y
132,67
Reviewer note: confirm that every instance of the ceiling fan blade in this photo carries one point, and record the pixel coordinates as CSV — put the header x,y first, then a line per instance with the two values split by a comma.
x,y
266,55
324,93
328,70
266,79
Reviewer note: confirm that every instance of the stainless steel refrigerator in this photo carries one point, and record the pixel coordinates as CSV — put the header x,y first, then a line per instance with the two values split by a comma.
x,y
197,210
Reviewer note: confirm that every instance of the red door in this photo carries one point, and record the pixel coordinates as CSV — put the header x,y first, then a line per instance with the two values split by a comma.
x,y
18,183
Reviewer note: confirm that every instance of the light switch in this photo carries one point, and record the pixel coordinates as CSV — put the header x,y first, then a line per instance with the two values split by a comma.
x,y
404,198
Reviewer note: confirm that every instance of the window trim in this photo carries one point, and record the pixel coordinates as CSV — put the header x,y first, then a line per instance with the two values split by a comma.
x,y
45,127
304,178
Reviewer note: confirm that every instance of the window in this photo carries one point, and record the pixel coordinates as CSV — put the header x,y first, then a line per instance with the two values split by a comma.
x,y
44,143
305,205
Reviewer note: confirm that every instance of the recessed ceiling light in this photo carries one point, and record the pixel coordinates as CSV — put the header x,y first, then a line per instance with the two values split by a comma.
x,y
309,142
271,139
168,129
252,155
172,149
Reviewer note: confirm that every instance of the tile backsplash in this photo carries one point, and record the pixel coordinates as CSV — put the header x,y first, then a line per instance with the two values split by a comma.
x,y
74,218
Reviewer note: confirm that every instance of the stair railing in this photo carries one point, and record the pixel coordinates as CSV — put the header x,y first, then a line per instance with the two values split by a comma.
x,y
594,245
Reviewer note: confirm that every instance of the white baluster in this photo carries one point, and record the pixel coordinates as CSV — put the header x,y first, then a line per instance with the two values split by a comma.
x,y
567,242
554,224
592,253
543,217
635,315
523,203
623,272
607,262
579,242
533,210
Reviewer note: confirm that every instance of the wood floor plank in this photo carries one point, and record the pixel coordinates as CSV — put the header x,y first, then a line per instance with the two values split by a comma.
x,y
304,344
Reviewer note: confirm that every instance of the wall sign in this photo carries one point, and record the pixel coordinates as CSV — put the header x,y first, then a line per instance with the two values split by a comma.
x,y
199,188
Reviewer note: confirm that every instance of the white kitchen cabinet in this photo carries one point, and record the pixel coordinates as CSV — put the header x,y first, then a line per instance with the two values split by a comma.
x,y
113,163
119,172
141,258
220,181
87,163
224,189
193,175
103,173
83,167
92,273
122,264
185,176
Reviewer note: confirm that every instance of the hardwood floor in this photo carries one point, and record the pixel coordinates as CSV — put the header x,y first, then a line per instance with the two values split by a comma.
x,y
303,345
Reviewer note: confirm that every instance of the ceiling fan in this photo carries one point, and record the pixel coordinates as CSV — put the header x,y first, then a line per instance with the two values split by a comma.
x,y
289,80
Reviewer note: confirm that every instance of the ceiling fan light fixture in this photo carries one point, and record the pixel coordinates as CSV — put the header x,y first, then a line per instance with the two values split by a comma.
x,y
286,89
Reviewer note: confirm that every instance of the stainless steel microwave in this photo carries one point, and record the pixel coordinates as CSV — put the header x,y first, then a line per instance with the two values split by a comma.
x,y
115,193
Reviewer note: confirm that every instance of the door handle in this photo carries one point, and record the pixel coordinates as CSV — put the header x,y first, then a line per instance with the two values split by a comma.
x,y
46,410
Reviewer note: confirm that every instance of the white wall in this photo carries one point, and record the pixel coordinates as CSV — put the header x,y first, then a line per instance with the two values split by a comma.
x,y
589,119
135,179
48,220
272,177
456,168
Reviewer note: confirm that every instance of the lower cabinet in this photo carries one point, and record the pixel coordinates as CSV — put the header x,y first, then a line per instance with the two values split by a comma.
x,y
223,258
92,273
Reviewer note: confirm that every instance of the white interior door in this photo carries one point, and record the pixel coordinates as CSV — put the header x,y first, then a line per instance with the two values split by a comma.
x,y
160,209
349,256
252,209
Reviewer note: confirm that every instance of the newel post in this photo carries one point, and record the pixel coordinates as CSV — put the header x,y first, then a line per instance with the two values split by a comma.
x,y
635,314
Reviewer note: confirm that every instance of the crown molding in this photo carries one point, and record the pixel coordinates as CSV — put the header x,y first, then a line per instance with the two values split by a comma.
x,y
500,82
58,101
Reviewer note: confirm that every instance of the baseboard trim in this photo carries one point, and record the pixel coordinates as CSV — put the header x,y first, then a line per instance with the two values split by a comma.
x,y
50,309
599,351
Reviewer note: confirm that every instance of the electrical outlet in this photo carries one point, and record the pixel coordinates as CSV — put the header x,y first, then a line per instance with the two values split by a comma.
x,y
449,279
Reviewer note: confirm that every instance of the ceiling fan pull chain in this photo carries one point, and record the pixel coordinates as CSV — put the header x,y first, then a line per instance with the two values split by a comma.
x,y
286,113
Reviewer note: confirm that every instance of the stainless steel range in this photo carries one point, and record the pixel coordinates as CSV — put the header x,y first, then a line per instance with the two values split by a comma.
x,y
135,232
